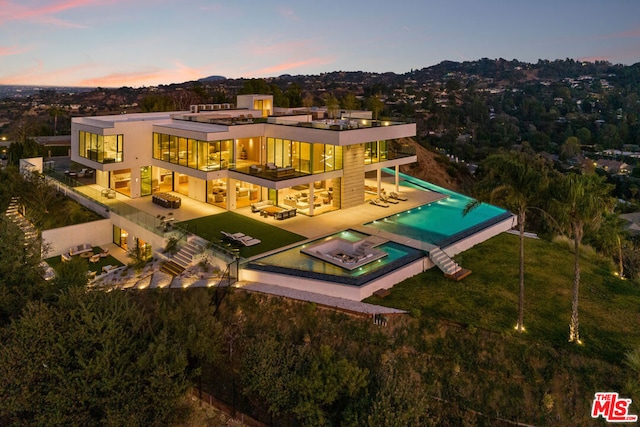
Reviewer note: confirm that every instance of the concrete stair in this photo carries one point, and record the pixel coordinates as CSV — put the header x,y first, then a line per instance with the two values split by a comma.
x,y
182,259
14,215
448,266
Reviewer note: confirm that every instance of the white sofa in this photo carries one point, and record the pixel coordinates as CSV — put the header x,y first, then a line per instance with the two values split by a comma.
x,y
258,206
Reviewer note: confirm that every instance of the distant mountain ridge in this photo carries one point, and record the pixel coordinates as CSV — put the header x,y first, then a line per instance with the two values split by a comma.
x,y
212,79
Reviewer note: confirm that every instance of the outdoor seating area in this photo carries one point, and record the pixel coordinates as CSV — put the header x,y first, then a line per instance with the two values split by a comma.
x,y
80,249
166,200
258,206
345,253
240,238
108,193
286,213
82,173
280,172
97,259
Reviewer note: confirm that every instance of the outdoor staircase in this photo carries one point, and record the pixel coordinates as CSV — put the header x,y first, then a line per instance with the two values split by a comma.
x,y
14,215
182,259
448,266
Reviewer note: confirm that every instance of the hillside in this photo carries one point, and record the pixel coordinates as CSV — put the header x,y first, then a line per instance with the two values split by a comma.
x,y
431,167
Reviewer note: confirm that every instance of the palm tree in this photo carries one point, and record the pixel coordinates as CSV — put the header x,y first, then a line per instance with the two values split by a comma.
x,y
515,181
54,112
580,201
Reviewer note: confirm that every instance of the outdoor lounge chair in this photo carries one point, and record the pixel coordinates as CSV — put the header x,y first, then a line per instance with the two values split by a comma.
x,y
249,241
396,196
378,202
389,200
233,237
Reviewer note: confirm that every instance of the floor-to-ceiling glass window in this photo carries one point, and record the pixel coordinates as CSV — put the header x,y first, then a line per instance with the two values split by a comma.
x,y
101,148
121,181
120,237
145,181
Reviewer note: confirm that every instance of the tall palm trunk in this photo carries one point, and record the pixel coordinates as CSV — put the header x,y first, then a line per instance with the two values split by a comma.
x,y
521,220
574,326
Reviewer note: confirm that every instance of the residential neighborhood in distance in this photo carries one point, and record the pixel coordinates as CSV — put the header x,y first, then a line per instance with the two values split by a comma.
x,y
344,248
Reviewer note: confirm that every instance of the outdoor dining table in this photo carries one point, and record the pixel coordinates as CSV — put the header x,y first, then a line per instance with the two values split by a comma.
x,y
166,200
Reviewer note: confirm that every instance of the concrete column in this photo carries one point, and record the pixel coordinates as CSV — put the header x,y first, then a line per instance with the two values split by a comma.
x,y
231,194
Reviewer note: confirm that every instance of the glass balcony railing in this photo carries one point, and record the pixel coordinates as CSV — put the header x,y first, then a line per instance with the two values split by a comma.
x,y
158,225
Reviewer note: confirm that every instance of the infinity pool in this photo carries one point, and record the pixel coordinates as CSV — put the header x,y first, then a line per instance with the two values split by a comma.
x,y
295,263
440,223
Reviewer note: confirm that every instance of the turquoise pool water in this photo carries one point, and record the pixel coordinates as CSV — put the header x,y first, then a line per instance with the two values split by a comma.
x,y
440,223
295,263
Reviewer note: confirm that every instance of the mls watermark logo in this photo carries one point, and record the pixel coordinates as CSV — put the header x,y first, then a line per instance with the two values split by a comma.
x,y
612,408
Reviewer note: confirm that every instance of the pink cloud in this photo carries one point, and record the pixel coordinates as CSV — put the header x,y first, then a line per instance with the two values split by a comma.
x,y
633,33
288,66
12,50
182,73
594,58
11,11
39,74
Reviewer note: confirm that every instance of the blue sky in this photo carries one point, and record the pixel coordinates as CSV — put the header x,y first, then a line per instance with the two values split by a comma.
x,y
113,43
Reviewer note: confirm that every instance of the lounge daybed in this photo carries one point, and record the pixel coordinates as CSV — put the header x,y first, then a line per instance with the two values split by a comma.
x,y
378,202
287,213
241,238
249,241
80,249
232,236
258,206
396,196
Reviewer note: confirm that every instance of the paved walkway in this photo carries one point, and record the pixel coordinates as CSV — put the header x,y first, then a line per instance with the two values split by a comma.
x,y
324,300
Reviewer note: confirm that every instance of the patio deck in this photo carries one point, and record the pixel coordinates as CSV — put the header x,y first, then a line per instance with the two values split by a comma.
x,y
300,224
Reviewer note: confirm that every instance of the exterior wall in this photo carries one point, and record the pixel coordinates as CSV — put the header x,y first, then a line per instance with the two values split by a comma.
x,y
352,190
137,142
136,231
59,240
197,189
481,236
354,293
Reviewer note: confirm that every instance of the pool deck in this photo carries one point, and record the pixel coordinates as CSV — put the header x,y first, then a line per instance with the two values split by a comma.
x,y
310,227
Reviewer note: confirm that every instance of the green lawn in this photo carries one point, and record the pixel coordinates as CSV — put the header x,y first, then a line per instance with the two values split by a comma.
x,y
272,237
97,267
488,298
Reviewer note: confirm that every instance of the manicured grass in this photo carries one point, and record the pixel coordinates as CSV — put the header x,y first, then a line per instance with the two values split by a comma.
x,y
488,298
272,237
55,261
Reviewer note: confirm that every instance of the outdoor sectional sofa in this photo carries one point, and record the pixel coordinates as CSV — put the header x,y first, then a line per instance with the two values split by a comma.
x,y
258,206
77,250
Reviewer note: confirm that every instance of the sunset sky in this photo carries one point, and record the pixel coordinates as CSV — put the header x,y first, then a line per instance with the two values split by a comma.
x,y
113,43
